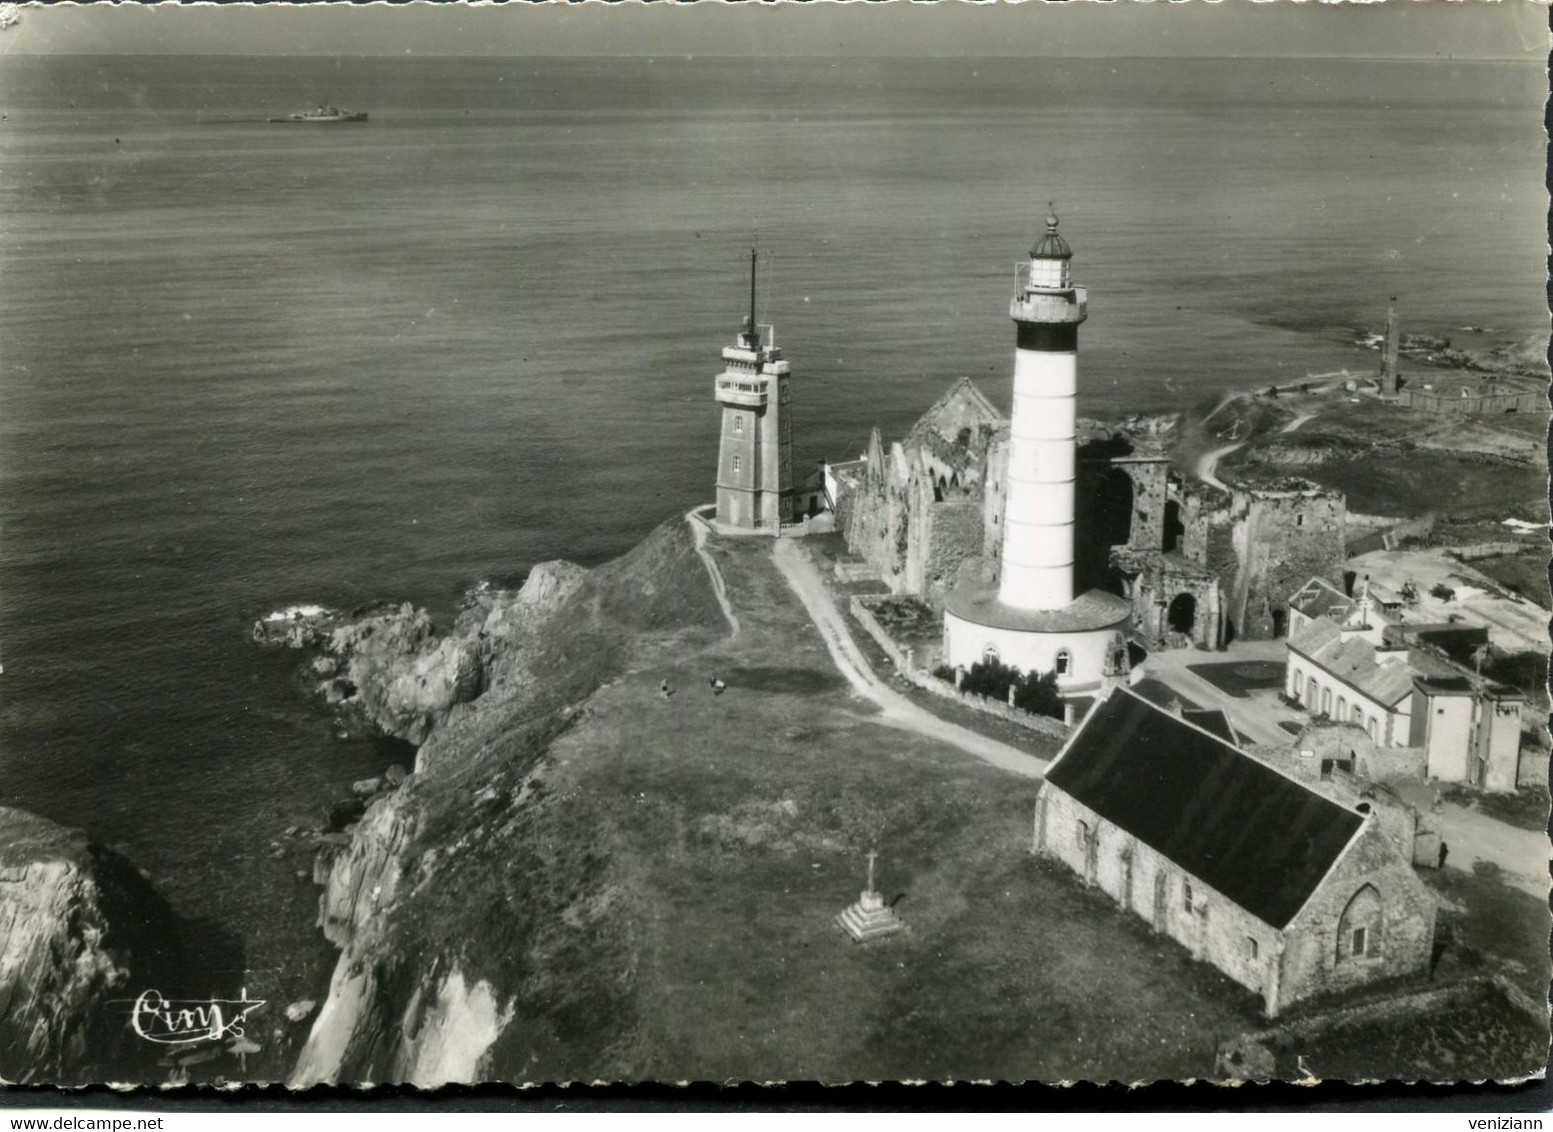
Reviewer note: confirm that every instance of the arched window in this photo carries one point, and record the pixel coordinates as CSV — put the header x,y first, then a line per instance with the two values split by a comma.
x,y
1310,694
1326,701
1294,683
1358,714
1359,928
1064,662
1342,708
990,654
1374,729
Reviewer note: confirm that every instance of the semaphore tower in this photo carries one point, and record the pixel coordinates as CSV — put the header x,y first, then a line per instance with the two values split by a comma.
x,y
1031,619
755,452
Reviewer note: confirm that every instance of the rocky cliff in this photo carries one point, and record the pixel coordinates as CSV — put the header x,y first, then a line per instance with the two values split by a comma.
x,y
81,933
471,910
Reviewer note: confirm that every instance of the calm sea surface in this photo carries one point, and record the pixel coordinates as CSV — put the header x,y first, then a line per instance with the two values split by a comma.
x,y
244,364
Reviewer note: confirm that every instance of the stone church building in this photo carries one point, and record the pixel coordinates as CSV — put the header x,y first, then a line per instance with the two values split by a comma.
x,y
1287,892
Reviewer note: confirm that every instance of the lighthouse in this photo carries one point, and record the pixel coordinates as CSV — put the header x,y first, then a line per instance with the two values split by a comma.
x,y
1031,619
755,449
1038,520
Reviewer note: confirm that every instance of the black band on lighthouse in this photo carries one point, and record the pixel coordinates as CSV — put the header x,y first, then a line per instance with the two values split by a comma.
x,y
1051,337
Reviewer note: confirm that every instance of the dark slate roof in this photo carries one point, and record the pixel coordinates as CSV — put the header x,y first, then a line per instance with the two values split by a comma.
x,y
1211,720
1320,598
1049,245
1258,837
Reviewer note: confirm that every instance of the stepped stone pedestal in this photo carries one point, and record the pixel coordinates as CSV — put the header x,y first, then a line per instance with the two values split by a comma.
x,y
869,918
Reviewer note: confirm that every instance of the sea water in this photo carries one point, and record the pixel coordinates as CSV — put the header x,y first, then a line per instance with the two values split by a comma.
x,y
246,365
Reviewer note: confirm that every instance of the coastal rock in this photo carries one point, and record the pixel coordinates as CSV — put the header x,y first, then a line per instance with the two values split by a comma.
x,y
471,905
498,618
297,627
80,929
345,811
366,787
388,664
395,775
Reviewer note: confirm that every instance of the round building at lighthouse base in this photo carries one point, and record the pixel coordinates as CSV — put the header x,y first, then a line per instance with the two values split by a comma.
x,y
1084,642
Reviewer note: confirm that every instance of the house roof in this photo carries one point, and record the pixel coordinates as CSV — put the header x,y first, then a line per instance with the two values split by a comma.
x,y
1213,721
1259,837
1354,661
1320,598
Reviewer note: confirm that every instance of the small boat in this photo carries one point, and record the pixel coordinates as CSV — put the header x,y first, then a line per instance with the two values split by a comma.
x,y
324,114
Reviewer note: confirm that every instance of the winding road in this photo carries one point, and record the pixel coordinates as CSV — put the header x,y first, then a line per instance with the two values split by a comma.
x,y
699,529
1208,461
897,710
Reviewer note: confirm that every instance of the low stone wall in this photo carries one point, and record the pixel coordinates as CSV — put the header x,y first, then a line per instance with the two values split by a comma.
x,y
1256,1056
1488,550
821,524
1533,767
1395,762
925,680
1389,537
1499,402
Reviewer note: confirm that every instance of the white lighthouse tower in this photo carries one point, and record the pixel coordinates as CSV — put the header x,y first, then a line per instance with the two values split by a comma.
x,y
1031,619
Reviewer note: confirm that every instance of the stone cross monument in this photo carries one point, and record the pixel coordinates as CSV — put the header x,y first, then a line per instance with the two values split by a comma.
x,y
870,917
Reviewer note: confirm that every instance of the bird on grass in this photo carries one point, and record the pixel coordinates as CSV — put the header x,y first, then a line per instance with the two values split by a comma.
x,y
718,687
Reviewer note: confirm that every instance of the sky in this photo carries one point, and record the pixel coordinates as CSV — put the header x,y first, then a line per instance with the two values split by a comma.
x,y
1462,29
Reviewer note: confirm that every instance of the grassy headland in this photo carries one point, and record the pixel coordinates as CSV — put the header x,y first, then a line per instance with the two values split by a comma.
x,y
650,881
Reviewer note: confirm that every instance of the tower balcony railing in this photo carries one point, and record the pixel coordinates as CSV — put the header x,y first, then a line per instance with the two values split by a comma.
x,y
1070,305
749,394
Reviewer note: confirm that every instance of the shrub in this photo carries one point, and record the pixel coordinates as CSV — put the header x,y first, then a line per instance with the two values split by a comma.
x,y
1527,671
1036,692
1442,591
990,678
945,673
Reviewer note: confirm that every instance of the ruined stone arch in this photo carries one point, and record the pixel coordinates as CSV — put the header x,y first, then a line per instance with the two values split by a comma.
x,y
1181,616
1112,508
1174,528
1359,929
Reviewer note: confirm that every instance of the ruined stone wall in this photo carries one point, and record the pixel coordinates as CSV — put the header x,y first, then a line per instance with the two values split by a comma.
x,y
1290,539
1317,962
948,543
994,500
1263,546
1150,487
878,528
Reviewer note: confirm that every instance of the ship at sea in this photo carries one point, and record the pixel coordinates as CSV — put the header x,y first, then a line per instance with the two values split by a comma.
x,y
324,114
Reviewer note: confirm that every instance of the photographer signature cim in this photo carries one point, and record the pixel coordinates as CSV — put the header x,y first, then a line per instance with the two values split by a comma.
x,y
170,1021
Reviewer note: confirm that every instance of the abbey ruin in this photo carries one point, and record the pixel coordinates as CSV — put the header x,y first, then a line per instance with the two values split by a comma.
x,y
1197,565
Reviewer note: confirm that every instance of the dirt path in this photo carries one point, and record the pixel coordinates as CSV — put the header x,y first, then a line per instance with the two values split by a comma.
x,y
719,587
1208,461
1473,836
1294,425
897,710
